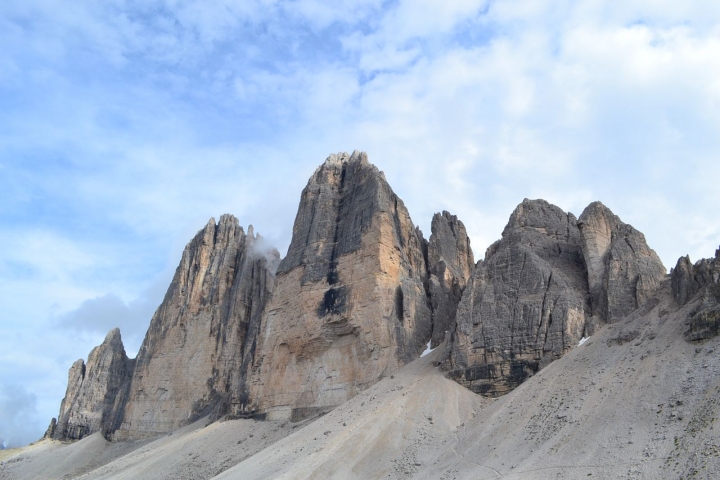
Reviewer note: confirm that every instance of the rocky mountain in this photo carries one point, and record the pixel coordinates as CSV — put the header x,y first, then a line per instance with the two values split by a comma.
x,y
350,304
192,359
96,392
548,282
636,401
699,280
526,304
196,352
359,295
623,272
451,264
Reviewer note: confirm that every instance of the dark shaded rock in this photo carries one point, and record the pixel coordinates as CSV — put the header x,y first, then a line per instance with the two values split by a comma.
x,y
699,282
450,262
51,428
688,280
200,342
704,324
525,304
96,391
623,272
349,304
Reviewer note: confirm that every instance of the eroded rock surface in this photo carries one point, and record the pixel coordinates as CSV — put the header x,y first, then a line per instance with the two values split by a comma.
x,y
526,302
451,262
96,392
193,358
349,305
623,272
701,281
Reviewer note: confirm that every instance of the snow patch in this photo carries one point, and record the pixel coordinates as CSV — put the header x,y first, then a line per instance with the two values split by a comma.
x,y
583,340
427,350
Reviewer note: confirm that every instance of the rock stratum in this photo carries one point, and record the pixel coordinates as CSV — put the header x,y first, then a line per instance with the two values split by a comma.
x,y
360,294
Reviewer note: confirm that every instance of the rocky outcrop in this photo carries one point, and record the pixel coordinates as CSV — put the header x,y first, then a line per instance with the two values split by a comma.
x,y
96,392
623,272
699,281
450,262
688,280
193,358
525,305
349,305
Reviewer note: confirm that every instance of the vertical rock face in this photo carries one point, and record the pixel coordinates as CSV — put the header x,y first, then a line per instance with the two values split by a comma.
x,y
623,272
451,262
525,305
688,279
349,304
191,361
96,392
699,280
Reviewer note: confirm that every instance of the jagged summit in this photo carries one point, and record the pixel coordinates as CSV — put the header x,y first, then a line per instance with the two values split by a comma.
x,y
623,272
96,392
525,305
194,356
360,294
450,263
350,303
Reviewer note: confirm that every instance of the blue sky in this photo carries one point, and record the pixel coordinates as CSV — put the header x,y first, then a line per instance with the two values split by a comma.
x,y
125,125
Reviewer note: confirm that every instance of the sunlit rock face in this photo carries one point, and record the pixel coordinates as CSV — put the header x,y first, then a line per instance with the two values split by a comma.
x,y
193,360
525,305
96,392
349,304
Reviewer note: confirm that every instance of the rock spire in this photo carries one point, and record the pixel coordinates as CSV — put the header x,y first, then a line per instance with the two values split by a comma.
x,y
623,272
349,305
191,361
699,282
96,392
451,262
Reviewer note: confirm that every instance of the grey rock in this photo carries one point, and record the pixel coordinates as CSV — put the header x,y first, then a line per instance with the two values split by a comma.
x,y
525,305
95,393
623,272
699,283
688,280
349,304
195,353
450,263
51,428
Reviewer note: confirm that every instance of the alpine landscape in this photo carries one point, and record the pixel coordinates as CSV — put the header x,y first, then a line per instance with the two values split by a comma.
x,y
369,351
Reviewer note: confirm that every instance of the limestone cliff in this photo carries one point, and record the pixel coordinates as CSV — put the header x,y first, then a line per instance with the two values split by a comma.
x,y
525,305
96,392
450,262
700,282
623,272
349,305
191,361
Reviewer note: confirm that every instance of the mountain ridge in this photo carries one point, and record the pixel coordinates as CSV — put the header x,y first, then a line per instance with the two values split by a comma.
x,y
360,293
